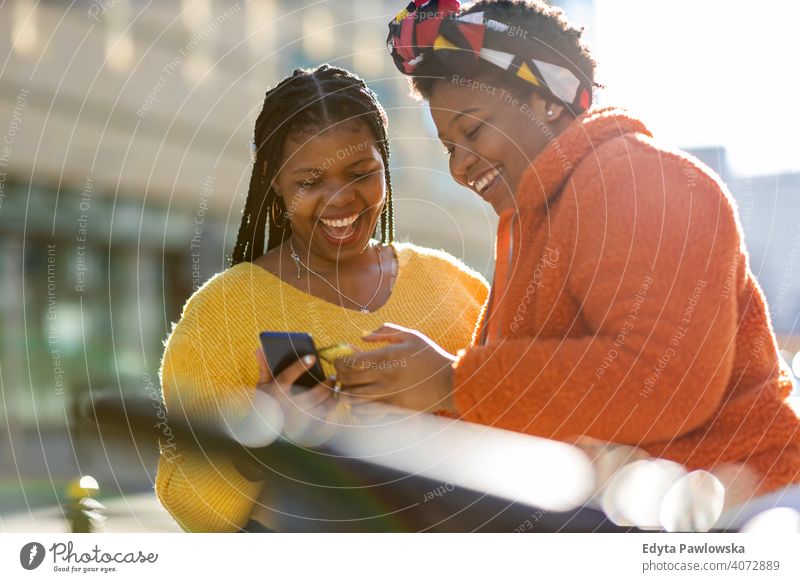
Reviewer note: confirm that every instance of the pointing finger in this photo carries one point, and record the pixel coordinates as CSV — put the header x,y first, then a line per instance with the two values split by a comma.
x,y
387,333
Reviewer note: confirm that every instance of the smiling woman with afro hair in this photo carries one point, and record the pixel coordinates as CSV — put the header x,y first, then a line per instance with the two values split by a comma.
x,y
623,307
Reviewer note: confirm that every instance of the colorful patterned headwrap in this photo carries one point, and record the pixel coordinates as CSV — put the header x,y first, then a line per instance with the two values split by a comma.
x,y
436,29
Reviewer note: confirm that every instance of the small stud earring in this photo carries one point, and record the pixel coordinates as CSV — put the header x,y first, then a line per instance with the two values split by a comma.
x,y
550,113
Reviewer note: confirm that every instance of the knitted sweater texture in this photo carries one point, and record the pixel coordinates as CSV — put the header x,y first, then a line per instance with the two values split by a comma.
x,y
624,309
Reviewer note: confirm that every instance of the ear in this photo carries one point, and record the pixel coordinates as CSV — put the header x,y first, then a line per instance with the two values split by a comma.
x,y
274,184
549,111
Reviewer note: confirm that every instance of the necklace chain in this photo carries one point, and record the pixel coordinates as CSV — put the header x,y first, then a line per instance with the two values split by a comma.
x,y
364,308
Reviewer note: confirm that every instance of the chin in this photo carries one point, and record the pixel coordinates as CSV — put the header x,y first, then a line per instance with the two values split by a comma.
x,y
346,249
504,203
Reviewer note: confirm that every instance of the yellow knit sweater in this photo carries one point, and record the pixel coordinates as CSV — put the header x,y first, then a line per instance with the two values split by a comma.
x,y
209,360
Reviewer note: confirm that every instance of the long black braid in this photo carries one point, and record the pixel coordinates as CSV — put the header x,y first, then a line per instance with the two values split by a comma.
x,y
317,99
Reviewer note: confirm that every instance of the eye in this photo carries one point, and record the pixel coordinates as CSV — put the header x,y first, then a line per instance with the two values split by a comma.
x,y
309,183
472,133
364,175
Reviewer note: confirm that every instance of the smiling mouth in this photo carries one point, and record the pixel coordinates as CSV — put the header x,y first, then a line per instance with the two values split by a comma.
x,y
485,181
340,228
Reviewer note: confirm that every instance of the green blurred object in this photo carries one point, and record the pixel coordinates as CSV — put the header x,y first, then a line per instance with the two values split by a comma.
x,y
83,513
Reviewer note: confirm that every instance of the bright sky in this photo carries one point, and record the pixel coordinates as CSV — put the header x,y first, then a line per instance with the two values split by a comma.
x,y
704,72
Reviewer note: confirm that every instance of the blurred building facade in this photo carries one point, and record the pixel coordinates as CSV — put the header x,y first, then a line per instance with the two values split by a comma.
x,y
125,160
127,129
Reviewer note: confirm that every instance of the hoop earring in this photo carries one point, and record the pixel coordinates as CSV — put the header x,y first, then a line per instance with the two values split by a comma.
x,y
383,222
274,214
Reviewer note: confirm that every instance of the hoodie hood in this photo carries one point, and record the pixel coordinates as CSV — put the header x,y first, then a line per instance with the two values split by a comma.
x,y
552,167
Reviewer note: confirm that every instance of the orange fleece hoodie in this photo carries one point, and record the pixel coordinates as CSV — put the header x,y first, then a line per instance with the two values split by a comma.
x,y
624,309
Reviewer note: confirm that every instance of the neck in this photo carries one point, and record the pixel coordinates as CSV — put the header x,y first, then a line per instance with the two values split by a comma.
x,y
324,265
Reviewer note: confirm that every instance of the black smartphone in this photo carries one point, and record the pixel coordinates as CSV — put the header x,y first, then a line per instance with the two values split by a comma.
x,y
283,348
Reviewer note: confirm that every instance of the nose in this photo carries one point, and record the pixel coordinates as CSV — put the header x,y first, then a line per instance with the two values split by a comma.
x,y
461,161
340,194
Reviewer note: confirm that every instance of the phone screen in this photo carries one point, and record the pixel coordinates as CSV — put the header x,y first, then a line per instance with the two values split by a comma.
x,y
284,348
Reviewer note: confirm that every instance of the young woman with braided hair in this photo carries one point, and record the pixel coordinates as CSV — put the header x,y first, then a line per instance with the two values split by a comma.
x,y
319,190
623,307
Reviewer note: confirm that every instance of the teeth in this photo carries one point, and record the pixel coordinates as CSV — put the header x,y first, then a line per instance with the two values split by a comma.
x,y
486,179
341,222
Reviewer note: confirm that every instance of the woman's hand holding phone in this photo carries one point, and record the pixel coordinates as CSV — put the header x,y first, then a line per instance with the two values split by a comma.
x,y
300,409
277,410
